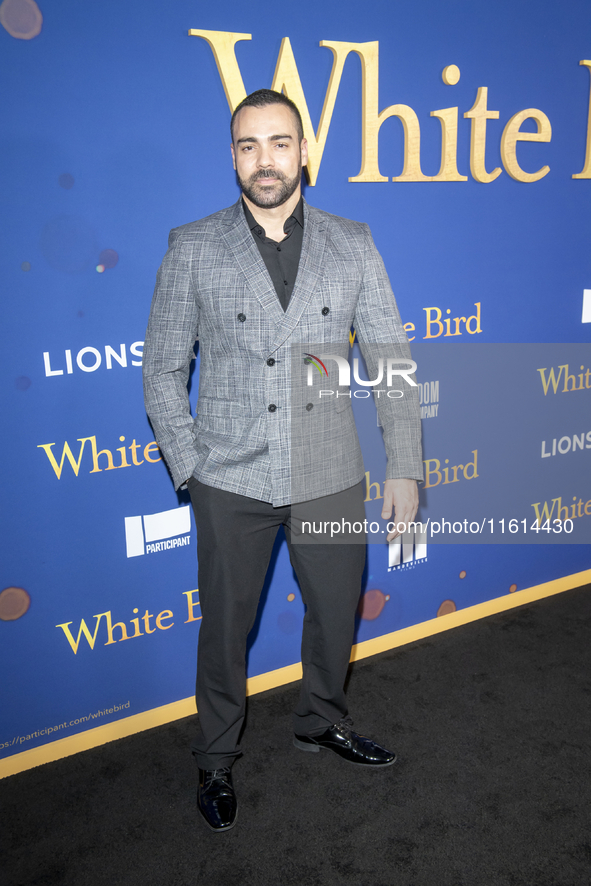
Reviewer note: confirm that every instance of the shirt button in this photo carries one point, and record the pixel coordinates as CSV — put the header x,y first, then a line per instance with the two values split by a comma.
x,y
325,311
279,249
285,283
270,362
272,407
241,317
309,407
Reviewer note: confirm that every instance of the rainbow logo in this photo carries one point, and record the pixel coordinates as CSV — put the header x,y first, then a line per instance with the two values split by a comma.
x,y
317,362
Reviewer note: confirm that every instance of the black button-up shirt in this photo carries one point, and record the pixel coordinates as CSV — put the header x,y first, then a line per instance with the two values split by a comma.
x,y
281,259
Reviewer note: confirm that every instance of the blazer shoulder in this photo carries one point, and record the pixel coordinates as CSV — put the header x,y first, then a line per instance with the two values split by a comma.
x,y
345,236
197,230
339,224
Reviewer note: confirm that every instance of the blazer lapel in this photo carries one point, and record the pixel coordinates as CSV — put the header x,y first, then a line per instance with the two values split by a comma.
x,y
240,242
309,274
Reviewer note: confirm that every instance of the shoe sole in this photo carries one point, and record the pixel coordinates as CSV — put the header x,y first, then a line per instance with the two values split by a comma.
x,y
315,748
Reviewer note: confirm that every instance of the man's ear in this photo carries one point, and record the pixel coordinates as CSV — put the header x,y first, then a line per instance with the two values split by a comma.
x,y
304,151
233,155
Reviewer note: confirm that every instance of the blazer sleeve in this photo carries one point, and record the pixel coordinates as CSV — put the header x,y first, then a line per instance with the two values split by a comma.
x,y
378,325
173,328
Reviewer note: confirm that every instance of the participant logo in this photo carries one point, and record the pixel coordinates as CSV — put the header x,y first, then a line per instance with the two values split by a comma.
x,y
153,533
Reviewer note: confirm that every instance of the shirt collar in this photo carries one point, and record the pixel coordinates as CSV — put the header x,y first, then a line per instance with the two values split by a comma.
x,y
297,214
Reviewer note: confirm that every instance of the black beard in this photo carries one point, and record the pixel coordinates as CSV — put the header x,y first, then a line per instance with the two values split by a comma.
x,y
270,197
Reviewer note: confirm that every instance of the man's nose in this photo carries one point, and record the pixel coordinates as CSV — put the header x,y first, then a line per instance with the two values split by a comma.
x,y
265,158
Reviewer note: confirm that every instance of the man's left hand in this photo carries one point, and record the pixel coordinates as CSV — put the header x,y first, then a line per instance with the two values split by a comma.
x,y
403,497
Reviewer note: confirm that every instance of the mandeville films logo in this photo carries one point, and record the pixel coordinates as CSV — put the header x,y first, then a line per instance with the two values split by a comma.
x,y
408,548
153,533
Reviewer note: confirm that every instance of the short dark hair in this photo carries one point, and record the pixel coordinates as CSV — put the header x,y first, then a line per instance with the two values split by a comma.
x,y
264,97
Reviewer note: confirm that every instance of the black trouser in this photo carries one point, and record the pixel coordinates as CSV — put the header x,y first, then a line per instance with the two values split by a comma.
x,y
235,537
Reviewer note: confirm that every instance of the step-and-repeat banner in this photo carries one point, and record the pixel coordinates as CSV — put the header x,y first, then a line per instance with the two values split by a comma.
x,y
461,133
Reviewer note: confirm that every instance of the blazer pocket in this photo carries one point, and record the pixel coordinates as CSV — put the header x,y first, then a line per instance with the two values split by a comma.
x,y
222,419
221,408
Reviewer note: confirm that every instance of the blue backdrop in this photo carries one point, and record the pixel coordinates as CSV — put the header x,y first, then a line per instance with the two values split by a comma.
x,y
115,130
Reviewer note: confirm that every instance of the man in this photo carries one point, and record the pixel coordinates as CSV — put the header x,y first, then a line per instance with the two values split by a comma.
x,y
251,281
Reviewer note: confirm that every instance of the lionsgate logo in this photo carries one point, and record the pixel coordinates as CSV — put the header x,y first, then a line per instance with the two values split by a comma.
x,y
409,549
153,533
390,369
90,359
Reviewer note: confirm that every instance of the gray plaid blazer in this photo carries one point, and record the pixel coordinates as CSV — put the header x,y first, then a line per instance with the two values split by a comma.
x,y
213,285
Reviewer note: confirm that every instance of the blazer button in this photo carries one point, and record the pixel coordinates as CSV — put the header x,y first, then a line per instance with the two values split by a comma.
x,y
309,407
241,317
325,311
272,407
270,362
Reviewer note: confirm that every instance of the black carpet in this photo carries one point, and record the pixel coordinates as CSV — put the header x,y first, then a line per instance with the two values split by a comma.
x,y
492,725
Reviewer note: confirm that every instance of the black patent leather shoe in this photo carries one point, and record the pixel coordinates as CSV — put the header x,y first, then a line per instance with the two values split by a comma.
x,y
341,739
216,799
